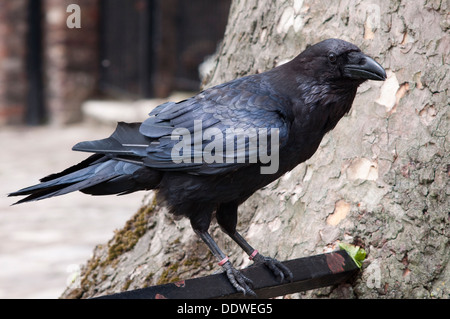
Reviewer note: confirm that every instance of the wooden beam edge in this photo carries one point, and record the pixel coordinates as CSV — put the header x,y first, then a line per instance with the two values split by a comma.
x,y
308,273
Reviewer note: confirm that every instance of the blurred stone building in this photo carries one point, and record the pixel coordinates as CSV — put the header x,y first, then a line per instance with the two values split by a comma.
x,y
131,49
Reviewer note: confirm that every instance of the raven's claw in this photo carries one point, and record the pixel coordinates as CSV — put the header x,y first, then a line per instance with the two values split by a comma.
x,y
278,269
238,280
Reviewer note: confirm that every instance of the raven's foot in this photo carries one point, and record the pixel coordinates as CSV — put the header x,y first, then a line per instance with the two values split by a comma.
x,y
278,269
238,280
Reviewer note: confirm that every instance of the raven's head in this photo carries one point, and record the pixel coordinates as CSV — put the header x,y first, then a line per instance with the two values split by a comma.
x,y
338,60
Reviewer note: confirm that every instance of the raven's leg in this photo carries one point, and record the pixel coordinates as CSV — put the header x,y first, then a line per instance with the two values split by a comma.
x,y
200,224
236,278
226,216
279,270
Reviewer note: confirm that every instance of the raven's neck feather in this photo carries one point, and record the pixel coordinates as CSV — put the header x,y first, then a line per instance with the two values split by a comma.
x,y
327,102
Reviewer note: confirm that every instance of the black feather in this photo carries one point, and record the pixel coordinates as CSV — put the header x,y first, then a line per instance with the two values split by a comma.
x,y
296,104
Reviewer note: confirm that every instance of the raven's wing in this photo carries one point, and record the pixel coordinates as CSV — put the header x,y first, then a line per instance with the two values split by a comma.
x,y
219,130
188,135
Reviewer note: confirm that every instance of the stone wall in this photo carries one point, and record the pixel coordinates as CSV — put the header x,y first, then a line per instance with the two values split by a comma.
x,y
70,58
69,63
177,43
13,86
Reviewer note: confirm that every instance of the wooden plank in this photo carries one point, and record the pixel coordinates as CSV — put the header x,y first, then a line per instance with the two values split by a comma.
x,y
309,273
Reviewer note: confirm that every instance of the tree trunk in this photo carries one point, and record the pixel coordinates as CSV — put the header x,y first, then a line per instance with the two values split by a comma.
x,y
380,178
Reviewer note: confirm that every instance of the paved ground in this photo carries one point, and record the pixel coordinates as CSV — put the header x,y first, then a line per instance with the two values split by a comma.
x,y
42,241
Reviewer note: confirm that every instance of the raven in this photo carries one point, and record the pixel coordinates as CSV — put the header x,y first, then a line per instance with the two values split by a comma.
x,y
209,153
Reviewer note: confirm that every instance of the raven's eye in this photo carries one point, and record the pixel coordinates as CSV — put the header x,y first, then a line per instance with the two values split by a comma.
x,y
332,57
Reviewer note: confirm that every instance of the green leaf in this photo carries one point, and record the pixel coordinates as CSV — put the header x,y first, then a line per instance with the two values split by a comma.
x,y
358,254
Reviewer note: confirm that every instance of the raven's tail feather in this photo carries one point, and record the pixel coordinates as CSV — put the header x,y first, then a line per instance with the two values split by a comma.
x,y
97,175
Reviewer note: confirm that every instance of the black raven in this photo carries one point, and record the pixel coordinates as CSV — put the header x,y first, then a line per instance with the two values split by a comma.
x,y
209,153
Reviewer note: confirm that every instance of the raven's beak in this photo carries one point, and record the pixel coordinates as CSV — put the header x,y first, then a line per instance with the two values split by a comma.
x,y
361,67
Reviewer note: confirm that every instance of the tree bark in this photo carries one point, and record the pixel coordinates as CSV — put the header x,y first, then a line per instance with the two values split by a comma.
x,y
380,179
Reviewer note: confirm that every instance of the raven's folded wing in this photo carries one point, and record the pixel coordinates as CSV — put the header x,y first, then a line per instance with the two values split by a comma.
x,y
219,130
